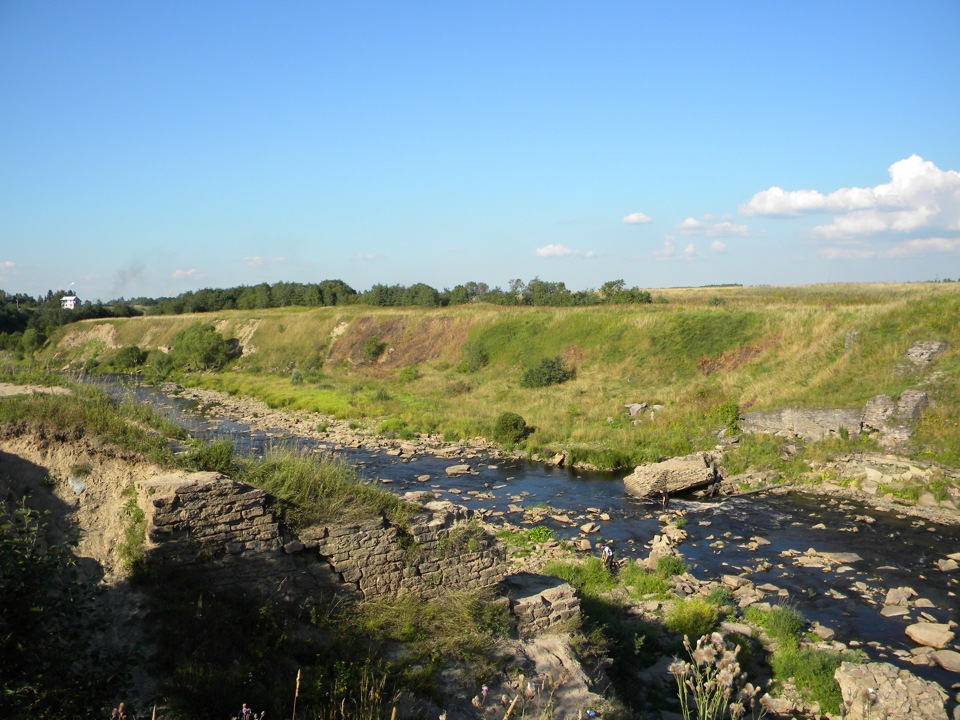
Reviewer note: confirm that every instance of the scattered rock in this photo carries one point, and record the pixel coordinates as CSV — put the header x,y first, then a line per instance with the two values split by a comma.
x,y
899,596
947,659
454,470
936,635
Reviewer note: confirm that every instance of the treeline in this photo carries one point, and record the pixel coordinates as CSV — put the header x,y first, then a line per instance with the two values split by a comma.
x,y
26,322
336,292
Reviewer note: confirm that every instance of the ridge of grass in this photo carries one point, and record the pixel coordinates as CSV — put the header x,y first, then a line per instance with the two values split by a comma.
x,y
703,350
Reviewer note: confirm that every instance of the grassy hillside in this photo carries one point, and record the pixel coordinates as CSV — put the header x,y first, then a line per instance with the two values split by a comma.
x,y
699,354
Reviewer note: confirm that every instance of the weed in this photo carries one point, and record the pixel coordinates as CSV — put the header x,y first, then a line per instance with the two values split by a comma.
x,y
130,548
783,624
712,684
692,617
670,566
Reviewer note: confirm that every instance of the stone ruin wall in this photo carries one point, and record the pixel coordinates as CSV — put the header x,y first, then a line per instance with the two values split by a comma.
x,y
225,529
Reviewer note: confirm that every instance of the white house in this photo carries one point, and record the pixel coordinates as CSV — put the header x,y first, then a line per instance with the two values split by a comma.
x,y
69,301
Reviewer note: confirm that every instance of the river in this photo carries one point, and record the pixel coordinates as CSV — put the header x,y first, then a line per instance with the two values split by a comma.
x,y
894,549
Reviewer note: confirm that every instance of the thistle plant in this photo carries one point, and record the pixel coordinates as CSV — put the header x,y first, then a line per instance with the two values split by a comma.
x,y
713,683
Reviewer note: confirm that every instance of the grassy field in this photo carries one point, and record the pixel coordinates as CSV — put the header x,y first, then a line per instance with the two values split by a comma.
x,y
703,351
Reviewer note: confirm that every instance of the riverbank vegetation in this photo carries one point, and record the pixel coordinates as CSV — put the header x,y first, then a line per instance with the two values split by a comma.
x,y
690,364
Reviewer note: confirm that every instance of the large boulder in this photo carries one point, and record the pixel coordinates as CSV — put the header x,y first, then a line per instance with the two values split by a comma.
x,y
676,475
937,635
880,690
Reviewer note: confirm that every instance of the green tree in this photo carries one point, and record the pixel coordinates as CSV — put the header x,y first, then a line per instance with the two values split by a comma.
x,y
421,295
129,357
201,347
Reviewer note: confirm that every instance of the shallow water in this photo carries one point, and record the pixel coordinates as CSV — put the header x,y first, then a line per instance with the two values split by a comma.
x,y
895,550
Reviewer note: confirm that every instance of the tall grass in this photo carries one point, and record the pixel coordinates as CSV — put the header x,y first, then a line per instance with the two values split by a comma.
x,y
318,488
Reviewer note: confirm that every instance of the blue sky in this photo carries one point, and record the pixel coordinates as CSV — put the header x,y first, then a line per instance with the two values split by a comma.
x,y
153,148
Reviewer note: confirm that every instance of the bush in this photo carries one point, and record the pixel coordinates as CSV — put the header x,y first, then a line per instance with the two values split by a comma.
x,y
373,348
694,617
781,623
549,371
201,347
409,374
670,565
129,357
474,357
813,670
509,428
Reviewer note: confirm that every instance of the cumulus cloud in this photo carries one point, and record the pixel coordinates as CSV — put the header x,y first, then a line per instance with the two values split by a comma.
x,y
636,218
558,250
724,228
7,264
717,247
919,199
258,261
555,250
191,274
365,256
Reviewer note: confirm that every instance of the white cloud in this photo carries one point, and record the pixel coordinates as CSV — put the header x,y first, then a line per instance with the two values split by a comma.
x,y
191,274
7,264
925,246
668,250
365,256
717,247
636,218
258,261
555,250
908,248
724,228
558,250
690,251
919,198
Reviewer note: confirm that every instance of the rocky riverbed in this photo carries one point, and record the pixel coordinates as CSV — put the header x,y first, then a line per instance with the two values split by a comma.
x,y
869,571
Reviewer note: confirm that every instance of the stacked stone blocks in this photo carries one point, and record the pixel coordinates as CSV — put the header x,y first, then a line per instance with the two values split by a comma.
x,y
226,528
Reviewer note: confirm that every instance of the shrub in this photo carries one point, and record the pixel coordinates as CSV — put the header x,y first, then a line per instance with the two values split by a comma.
x,y
409,374
474,357
693,617
590,578
813,670
781,623
201,347
641,582
670,565
728,414
129,357
373,348
509,428
549,371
